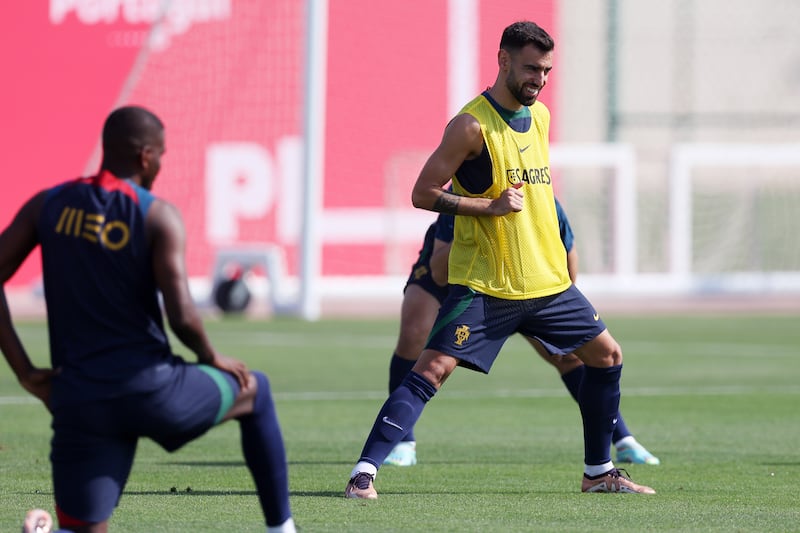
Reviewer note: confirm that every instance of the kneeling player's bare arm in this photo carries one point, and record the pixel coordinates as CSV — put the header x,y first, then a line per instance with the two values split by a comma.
x,y
168,244
17,241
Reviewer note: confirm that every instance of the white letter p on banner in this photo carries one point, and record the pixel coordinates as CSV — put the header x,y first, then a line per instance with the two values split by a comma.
x,y
239,184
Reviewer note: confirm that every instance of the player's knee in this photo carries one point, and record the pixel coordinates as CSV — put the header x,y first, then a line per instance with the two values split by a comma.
x,y
435,367
612,355
616,353
411,343
251,399
263,396
262,381
602,352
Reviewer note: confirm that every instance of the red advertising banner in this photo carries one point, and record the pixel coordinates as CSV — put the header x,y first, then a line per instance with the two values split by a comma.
x,y
227,78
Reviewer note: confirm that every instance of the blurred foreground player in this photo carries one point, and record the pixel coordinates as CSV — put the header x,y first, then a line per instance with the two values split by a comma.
x,y
108,247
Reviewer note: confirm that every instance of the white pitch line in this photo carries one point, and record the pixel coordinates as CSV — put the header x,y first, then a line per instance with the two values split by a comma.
x,y
292,340
701,349
711,349
722,390
543,393
18,400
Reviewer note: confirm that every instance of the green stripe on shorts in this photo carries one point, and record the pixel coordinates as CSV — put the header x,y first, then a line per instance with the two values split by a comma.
x,y
225,390
457,310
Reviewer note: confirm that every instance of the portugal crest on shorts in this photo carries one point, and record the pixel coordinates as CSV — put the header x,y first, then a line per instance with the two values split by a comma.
x,y
462,334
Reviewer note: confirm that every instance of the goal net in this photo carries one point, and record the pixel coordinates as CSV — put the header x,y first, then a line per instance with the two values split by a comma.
x,y
226,77
733,210
724,224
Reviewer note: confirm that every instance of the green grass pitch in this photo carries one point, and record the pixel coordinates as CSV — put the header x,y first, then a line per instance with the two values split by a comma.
x,y
717,398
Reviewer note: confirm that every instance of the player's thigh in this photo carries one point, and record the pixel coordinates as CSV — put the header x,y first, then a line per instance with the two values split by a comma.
x,y
197,398
235,402
417,315
435,367
91,460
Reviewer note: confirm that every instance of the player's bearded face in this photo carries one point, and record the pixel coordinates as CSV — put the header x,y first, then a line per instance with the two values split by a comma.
x,y
524,91
528,73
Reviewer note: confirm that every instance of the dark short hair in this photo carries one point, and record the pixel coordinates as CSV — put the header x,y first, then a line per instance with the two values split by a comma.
x,y
127,129
523,33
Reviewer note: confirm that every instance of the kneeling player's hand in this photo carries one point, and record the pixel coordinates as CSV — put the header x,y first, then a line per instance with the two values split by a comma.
x,y
235,367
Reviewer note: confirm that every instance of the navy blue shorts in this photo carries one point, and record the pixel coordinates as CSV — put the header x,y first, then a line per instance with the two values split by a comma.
x,y
93,444
422,278
421,270
472,326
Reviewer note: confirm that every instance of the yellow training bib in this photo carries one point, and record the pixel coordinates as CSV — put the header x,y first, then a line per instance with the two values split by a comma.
x,y
520,255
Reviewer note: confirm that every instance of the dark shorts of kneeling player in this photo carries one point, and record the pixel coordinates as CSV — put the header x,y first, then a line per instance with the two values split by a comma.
x,y
94,443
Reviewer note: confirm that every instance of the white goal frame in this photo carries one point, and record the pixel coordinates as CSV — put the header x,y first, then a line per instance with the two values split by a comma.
x,y
684,159
624,280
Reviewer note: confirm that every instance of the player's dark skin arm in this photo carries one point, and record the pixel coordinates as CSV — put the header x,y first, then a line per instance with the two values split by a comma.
x,y
16,243
168,243
462,141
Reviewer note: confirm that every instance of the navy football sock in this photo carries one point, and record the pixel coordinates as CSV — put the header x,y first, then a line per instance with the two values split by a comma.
x,y
620,430
400,412
262,444
572,380
398,370
598,399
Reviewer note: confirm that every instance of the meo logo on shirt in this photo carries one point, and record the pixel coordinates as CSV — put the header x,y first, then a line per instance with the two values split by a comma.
x,y
114,234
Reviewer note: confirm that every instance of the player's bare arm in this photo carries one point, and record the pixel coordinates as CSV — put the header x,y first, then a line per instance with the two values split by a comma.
x,y
462,141
16,243
168,242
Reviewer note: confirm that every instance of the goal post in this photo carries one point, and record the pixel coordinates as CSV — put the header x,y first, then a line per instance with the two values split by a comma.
x,y
733,217
621,160
309,306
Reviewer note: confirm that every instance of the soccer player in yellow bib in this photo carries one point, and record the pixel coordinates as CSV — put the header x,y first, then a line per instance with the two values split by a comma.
x,y
424,293
507,267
